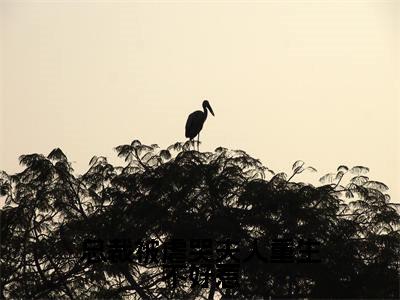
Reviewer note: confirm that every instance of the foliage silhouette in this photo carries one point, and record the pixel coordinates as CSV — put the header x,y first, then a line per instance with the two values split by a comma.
x,y
178,193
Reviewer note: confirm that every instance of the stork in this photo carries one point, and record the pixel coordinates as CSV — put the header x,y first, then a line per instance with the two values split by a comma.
x,y
195,122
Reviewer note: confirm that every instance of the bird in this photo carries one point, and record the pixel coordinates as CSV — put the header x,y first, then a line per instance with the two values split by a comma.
x,y
195,122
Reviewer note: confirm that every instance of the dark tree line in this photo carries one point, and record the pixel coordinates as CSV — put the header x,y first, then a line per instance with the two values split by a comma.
x,y
176,193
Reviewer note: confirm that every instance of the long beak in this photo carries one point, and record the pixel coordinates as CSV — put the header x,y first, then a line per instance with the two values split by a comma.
x,y
210,109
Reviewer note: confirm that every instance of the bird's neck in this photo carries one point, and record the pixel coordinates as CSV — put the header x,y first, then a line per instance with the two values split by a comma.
x,y
205,112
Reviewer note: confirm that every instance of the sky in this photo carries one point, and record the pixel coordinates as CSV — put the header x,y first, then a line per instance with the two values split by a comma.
x,y
312,80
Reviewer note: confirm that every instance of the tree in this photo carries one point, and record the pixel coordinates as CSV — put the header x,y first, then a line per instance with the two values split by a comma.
x,y
175,201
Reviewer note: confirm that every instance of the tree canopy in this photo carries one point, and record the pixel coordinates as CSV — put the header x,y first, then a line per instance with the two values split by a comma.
x,y
164,200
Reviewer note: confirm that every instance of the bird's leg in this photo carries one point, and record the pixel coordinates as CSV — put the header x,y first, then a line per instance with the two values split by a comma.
x,y
198,142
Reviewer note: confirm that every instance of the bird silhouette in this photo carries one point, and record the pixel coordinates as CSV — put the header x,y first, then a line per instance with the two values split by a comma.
x,y
195,122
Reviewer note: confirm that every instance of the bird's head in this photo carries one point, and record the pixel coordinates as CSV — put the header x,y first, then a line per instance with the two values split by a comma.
x,y
206,105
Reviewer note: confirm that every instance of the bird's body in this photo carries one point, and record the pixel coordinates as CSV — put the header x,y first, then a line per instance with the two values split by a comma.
x,y
194,124
195,121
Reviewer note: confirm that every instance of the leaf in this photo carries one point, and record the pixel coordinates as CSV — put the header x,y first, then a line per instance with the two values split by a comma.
x,y
297,164
129,157
387,197
361,190
280,176
342,168
57,154
328,178
93,160
298,170
359,180
312,169
377,186
165,154
4,189
339,175
359,170
270,171
220,149
176,147
136,143
143,148
29,159
148,156
124,150
240,152
189,144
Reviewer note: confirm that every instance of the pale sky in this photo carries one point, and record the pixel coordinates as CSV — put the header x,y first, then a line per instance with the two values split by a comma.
x,y
288,80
